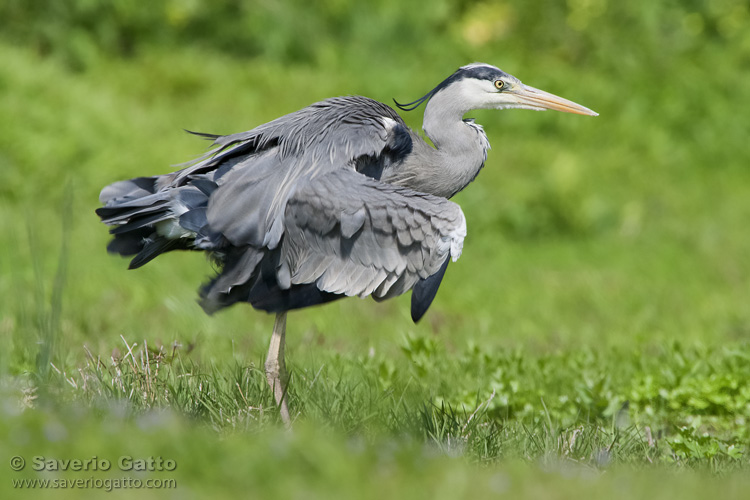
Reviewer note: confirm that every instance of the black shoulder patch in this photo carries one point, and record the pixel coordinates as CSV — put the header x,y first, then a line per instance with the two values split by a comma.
x,y
398,148
402,144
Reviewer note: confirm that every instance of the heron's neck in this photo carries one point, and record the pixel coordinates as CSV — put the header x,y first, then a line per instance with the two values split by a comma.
x,y
460,146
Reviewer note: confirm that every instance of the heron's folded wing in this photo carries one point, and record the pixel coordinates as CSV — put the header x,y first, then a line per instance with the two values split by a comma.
x,y
341,133
334,131
353,235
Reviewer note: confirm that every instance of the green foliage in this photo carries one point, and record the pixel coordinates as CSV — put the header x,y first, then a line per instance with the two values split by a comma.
x,y
597,320
82,32
591,406
694,447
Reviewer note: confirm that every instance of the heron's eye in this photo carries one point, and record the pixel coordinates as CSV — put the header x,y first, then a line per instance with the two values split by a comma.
x,y
499,84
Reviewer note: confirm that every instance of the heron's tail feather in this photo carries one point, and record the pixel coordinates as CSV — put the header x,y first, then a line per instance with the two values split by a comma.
x,y
149,217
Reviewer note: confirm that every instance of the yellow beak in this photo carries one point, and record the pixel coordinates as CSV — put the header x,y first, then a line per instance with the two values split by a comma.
x,y
539,99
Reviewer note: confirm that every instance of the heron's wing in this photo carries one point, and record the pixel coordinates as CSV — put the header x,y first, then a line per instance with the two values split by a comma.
x,y
353,235
341,133
335,131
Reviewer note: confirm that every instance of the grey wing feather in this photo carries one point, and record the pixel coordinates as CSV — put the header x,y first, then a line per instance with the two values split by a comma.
x,y
248,206
320,247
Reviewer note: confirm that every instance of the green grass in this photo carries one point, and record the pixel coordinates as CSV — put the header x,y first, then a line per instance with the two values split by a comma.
x,y
593,340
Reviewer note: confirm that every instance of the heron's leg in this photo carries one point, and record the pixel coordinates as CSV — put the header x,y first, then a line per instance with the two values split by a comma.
x,y
276,368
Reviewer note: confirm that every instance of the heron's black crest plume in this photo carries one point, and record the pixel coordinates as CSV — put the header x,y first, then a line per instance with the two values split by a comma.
x,y
410,106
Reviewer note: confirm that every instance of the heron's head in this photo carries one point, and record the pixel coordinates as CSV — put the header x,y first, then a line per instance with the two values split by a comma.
x,y
482,86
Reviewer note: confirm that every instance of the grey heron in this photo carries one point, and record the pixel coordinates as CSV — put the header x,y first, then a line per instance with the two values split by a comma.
x,y
337,199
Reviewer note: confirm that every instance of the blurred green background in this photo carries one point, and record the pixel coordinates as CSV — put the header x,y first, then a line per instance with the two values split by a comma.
x,y
605,276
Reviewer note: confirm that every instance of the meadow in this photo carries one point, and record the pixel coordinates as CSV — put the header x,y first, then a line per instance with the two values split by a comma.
x,y
592,341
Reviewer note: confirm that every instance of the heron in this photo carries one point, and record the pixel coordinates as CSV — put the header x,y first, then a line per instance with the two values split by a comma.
x,y
337,199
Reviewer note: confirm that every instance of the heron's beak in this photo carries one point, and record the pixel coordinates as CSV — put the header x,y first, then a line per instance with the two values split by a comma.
x,y
539,99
